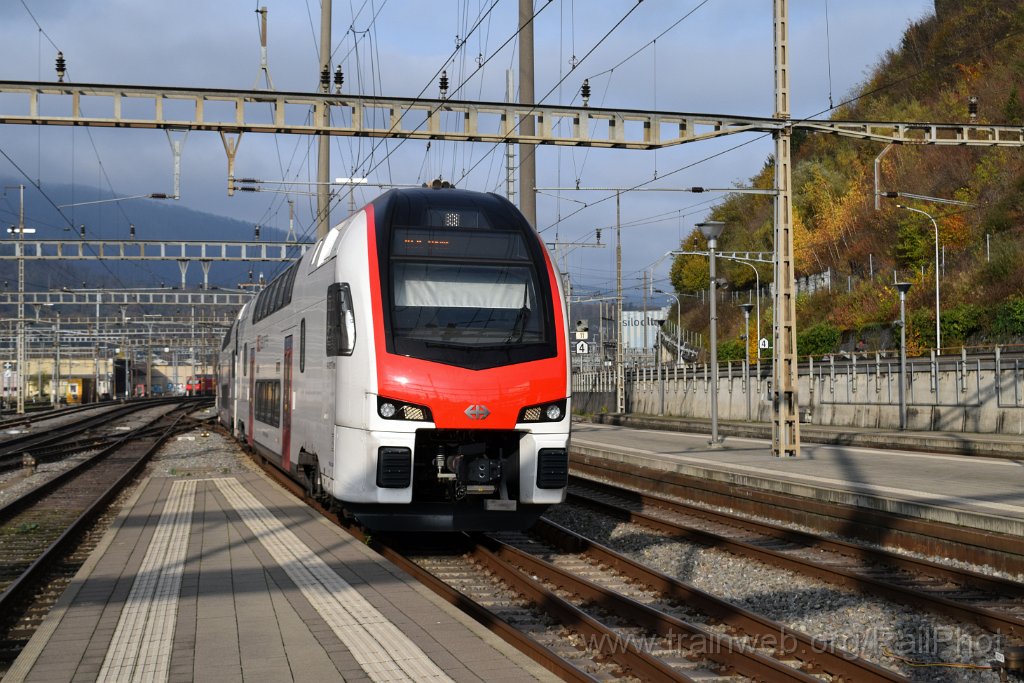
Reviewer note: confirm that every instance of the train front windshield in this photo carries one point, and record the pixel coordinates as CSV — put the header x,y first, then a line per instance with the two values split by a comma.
x,y
468,294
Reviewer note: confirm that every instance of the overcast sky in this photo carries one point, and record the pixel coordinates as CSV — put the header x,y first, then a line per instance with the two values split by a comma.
x,y
717,59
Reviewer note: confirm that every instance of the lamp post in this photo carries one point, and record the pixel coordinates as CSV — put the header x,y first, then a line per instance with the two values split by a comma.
x,y
661,377
746,350
712,230
903,287
679,328
938,329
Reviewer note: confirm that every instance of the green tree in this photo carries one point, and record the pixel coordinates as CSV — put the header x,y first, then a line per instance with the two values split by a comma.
x,y
817,340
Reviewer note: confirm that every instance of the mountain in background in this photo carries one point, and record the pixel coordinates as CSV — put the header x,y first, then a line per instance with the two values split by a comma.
x,y
963,64
154,220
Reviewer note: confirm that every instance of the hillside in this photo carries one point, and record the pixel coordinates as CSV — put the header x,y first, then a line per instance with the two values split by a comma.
x,y
964,51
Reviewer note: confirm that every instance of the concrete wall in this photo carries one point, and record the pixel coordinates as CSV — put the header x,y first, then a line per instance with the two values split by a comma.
x,y
948,393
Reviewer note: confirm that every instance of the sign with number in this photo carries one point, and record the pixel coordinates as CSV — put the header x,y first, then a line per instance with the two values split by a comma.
x,y
582,347
763,343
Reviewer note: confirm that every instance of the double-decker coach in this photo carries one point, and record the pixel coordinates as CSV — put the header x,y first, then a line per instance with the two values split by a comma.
x,y
412,366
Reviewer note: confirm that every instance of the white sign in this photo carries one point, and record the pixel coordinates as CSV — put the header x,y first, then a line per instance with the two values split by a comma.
x,y
581,347
763,343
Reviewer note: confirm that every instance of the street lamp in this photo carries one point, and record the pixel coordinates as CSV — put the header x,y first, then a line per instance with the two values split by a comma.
x,y
938,332
903,287
746,350
712,230
679,328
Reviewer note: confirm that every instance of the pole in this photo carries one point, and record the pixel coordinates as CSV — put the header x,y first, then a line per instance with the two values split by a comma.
x,y
323,167
510,149
903,287
938,326
746,352
55,391
96,360
713,345
785,404
21,301
527,153
661,377
620,376
192,348
149,360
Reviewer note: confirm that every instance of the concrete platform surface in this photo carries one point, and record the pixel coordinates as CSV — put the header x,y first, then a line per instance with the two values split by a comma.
x,y
980,492
230,579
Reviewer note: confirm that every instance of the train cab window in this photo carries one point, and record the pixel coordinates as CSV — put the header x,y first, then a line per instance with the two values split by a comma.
x,y
302,345
341,320
465,282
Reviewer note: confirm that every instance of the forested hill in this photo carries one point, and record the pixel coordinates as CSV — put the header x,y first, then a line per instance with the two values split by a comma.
x,y
963,64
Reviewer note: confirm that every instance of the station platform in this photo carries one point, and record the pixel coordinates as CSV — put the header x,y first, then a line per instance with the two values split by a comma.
x,y
863,468
229,579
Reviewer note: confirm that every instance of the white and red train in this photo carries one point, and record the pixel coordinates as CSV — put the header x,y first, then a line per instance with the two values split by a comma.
x,y
411,367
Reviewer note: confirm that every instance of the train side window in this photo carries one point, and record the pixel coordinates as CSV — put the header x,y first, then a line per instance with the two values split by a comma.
x,y
341,320
302,345
245,360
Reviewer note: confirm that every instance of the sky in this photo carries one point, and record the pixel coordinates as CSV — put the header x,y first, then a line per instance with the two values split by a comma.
x,y
707,56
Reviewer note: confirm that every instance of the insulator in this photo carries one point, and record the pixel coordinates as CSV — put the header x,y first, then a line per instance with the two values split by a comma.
x,y
325,78
972,107
81,230
257,233
62,67
585,92
248,180
444,84
598,231
247,189
339,78
131,230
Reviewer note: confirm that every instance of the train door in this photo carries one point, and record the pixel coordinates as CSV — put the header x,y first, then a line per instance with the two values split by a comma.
x,y
251,424
286,408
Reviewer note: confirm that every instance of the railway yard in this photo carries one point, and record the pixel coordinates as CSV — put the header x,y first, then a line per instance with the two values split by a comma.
x,y
642,574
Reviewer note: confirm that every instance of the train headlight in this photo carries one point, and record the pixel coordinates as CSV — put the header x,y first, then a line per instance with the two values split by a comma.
x,y
391,409
545,412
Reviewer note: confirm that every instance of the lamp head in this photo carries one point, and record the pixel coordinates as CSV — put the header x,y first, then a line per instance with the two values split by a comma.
x,y
746,308
903,287
711,230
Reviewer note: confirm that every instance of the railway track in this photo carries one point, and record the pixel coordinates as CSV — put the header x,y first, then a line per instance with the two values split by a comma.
x,y
41,532
1001,552
588,613
35,443
992,603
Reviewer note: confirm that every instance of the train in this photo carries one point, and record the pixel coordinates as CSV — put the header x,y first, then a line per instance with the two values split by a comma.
x,y
411,368
200,385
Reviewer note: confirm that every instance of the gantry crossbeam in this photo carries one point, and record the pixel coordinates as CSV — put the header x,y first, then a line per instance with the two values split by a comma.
x,y
244,111
132,250
260,111
159,297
